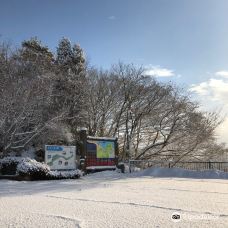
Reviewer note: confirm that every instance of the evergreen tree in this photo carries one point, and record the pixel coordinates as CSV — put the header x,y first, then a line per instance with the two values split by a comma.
x,y
78,61
64,54
69,84
37,57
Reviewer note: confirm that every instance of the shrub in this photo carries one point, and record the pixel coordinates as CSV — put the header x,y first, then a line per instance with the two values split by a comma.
x,y
56,175
8,165
33,170
30,169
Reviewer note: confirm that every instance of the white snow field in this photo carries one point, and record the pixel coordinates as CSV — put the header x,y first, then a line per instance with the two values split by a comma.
x,y
111,199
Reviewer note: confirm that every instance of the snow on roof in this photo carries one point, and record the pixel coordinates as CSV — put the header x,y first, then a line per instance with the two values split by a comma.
x,y
100,167
102,138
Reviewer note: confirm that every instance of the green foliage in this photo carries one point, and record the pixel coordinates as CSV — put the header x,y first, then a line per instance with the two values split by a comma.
x,y
36,56
69,86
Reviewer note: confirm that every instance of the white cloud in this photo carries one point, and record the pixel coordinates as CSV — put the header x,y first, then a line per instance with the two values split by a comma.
x,y
213,89
201,89
222,73
213,95
179,76
158,71
112,17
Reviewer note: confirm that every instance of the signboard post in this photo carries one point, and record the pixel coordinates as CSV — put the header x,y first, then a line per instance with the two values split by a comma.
x,y
60,157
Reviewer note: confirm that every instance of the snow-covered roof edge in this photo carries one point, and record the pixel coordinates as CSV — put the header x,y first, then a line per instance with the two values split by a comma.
x,y
102,138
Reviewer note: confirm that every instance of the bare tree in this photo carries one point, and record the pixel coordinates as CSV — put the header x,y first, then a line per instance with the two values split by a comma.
x,y
150,119
40,95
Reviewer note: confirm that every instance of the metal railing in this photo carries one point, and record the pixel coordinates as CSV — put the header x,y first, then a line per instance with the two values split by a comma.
x,y
136,165
222,166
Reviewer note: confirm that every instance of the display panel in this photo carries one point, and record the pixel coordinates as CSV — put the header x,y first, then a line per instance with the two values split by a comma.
x,y
60,157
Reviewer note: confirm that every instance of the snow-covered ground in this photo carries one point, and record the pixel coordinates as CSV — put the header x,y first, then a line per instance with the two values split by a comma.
x,y
111,199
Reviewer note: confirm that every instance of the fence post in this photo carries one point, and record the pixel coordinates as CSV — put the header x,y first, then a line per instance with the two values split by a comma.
x,y
129,166
209,164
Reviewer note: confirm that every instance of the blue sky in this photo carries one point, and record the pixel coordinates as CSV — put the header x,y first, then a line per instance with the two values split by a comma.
x,y
185,41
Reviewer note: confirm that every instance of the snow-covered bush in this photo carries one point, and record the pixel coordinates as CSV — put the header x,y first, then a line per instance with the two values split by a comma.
x,y
33,169
73,174
8,165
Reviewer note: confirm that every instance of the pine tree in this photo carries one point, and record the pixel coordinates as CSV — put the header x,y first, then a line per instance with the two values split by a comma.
x,y
69,85
64,54
78,61
36,56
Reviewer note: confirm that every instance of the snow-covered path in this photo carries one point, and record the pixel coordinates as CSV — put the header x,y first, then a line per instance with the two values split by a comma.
x,y
110,199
